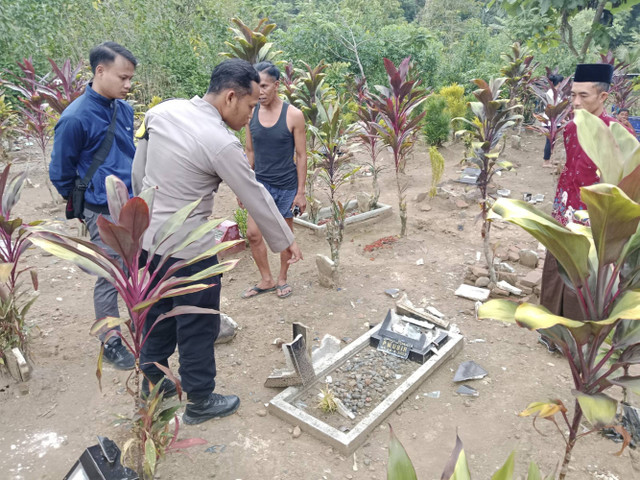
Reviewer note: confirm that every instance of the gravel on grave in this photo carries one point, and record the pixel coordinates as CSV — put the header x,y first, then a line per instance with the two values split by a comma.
x,y
362,383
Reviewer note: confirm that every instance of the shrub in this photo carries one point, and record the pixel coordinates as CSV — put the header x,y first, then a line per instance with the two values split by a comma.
x,y
456,102
437,120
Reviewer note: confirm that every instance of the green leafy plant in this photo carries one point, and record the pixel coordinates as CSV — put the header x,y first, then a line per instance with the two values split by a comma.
x,y
437,169
456,103
367,135
555,99
139,290
308,91
240,217
251,43
601,263
518,73
332,158
8,122
15,298
327,401
399,125
400,466
493,117
437,120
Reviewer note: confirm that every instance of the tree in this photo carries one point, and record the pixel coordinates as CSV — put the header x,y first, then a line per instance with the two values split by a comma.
x,y
560,13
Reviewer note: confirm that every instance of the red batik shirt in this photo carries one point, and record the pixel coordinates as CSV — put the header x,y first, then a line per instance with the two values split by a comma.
x,y
579,171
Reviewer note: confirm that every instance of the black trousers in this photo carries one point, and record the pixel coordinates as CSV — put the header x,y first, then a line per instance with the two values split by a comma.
x,y
547,150
194,334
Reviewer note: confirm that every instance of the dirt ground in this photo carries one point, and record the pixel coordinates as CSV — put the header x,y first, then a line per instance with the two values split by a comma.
x,y
46,424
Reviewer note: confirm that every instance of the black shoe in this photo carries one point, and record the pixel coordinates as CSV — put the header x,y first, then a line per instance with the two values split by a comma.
x,y
118,355
168,388
213,406
547,342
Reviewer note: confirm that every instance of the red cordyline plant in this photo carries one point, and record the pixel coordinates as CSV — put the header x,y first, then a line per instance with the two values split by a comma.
x,y
36,121
621,91
131,218
67,84
367,135
398,124
14,241
557,105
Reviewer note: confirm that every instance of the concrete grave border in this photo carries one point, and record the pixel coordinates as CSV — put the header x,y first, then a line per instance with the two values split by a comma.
x,y
382,211
282,405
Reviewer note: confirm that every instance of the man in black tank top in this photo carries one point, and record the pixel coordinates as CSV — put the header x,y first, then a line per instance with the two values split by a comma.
x,y
275,135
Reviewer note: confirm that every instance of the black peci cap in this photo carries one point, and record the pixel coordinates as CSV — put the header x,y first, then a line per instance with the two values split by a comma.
x,y
593,72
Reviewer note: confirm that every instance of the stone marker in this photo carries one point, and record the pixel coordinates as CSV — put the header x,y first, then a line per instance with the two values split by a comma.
x,y
364,201
473,293
17,365
301,360
327,273
405,307
528,258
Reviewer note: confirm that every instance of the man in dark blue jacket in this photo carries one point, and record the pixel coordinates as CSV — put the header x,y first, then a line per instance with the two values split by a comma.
x,y
78,135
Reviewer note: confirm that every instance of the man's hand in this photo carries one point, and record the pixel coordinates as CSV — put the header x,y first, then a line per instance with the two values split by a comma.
x,y
295,252
301,201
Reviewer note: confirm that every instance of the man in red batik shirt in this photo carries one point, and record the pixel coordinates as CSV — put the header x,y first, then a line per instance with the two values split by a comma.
x,y
589,92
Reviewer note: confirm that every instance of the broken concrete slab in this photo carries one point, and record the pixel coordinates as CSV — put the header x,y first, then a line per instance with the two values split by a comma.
x,y
392,292
509,288
469,370
405,307
282,379
467,391
473,293
329,347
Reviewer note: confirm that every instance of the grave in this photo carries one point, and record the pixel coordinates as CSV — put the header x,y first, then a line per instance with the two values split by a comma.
x,y
415,346
353,216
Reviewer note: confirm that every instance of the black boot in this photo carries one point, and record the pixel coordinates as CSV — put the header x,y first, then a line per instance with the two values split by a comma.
x,y
118,355
213,406
168,388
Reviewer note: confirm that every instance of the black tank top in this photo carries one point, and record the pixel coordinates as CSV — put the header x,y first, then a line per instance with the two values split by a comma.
x,y
273,151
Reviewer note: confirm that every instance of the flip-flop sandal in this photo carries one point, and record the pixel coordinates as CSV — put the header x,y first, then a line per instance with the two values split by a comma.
x,y
258,290
280,288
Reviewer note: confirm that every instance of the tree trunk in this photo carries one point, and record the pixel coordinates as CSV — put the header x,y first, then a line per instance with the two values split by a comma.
x,y
376,191
488,254
335,229
573,437
402,205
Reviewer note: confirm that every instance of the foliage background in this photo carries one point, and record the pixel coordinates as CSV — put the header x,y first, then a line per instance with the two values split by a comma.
x,y
178,41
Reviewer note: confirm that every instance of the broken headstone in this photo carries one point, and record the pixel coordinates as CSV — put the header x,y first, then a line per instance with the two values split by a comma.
x,y
469,370
301,360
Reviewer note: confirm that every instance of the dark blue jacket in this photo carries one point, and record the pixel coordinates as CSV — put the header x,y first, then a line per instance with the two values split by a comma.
x,y
78,135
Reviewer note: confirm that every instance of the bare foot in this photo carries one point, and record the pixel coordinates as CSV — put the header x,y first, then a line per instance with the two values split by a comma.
x,y
547,164
284,291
